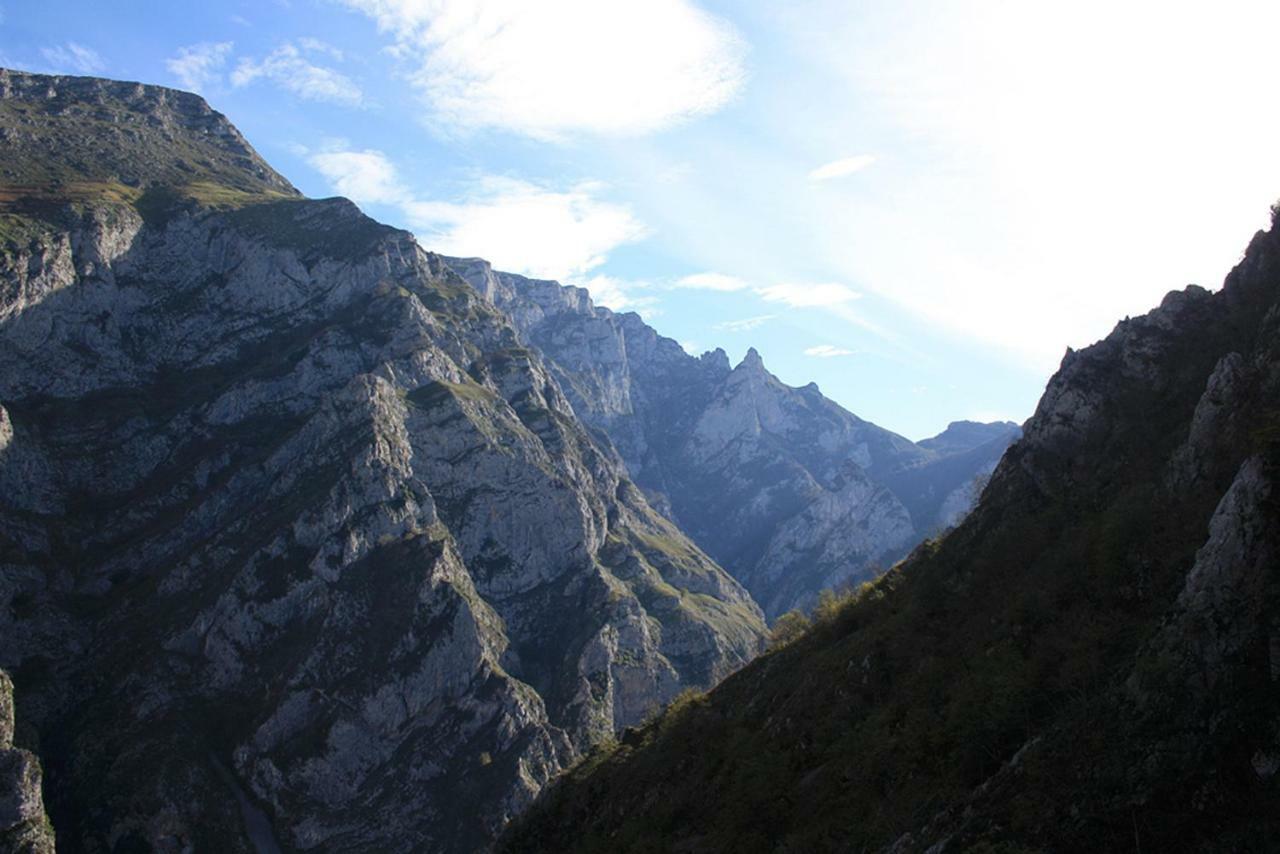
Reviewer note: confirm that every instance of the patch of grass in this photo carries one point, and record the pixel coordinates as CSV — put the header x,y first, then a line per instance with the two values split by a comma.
x,y
222,197
433,393
18,232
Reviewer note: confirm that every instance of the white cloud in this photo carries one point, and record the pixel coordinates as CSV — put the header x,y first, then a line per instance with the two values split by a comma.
x,y
808,294
841,168
557,67
366,177
691,347
199,65
317,46
529,229
826,351
619,295
288,67
1029,183
746,324
711,282
519,226
73,57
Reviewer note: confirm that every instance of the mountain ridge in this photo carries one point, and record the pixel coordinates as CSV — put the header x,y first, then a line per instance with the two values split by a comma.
x,y
786,489
1087,662
290,518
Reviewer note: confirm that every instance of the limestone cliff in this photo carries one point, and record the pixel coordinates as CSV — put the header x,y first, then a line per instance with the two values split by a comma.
x,y
788,491
302,548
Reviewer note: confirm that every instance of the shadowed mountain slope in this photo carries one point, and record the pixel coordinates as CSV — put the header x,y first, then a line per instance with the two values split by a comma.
x,y
1089,662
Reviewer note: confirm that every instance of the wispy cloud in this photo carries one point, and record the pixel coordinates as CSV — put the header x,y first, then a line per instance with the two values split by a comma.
x,y
620,295
559,67
827,351
73,57
518,225
808,294
317,46
711,282
366,177
530,228
746,324
199,66
841,168
287,66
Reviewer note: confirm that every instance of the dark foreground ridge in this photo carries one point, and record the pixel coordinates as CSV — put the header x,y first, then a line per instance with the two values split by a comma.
x,y
1090,662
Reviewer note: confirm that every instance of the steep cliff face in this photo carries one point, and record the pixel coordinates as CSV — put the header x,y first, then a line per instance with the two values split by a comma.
x,y
785,489
302,548
24,827
1089,662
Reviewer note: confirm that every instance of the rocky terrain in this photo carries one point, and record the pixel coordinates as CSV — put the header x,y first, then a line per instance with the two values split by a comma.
x,y
1089,662
785,489
301,546
24,827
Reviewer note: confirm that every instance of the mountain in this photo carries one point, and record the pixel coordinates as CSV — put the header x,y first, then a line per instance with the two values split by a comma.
x,y
786,490
963,436
303,548
1089,662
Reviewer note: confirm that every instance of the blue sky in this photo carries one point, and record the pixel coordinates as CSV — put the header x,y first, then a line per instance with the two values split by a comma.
x,y
918,206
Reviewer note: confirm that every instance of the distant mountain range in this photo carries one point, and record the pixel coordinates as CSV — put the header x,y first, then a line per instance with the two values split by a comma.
x,y
787,491
311,539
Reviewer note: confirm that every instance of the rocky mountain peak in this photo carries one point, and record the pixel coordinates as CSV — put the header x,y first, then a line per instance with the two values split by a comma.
x,y
716,359
761,475
963,435
752,361
65,131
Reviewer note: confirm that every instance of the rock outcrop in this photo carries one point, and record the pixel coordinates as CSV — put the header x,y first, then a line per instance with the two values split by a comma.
x,y
788,491
24,827
301,548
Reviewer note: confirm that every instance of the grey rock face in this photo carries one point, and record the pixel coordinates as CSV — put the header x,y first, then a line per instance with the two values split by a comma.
x,y
784,488
1221,606
293,526
24,829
